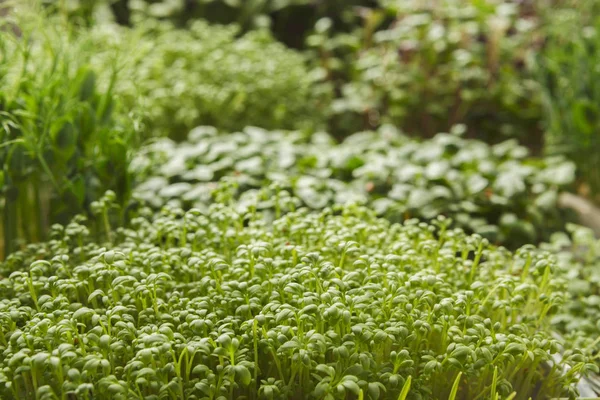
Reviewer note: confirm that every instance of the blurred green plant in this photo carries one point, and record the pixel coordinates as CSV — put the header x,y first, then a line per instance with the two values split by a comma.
x,y
497,191
207,75
578,254
578,258
569,74
425,66
63,141
289,20
335,305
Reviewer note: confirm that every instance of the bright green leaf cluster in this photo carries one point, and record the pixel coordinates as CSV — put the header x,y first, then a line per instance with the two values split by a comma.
x,y
335,304
497,191
578,252
207,75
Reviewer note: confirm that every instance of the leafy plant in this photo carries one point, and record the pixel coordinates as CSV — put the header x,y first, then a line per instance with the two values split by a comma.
x,y
568,73
207,75
578,253
497,191
425,66
63,139
331,305
578,256
419,65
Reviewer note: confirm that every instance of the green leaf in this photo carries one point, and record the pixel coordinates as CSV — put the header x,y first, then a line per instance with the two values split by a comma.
x,y
243,375
145,372
509,184
374,390
82,313
93,295
437,169
476,183
352,386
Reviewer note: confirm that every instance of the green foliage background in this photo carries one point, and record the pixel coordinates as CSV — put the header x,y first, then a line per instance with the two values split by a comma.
x,y
248,258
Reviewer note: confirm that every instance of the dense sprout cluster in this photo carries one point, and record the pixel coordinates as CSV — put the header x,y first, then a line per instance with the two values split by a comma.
x,y
282,262
497,191
578,252
208,74
578,257
333,304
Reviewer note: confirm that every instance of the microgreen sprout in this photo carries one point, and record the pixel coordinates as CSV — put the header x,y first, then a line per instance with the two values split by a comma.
x,y
335,304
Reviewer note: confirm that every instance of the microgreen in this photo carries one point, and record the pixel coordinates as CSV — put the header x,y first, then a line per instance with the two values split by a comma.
x,y
274,264
578,253
497,191
334,304
209,74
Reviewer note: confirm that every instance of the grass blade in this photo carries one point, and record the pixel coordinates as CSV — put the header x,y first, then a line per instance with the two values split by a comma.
x,y
455,387
494,382
405,389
